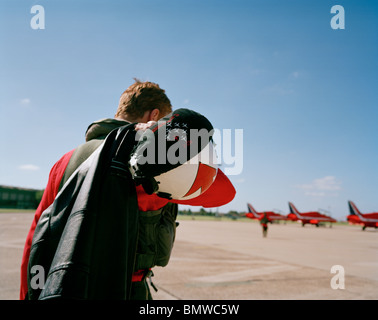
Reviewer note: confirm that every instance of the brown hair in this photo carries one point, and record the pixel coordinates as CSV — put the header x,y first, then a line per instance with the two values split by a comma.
x,y
141,97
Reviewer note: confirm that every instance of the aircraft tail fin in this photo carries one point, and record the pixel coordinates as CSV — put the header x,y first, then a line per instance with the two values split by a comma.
x,y
293,209
252,210
353,209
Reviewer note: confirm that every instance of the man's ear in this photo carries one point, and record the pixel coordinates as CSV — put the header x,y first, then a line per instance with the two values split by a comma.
x,y
154,115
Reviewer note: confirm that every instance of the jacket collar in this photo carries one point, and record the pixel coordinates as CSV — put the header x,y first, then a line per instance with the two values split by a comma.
x,y
101,128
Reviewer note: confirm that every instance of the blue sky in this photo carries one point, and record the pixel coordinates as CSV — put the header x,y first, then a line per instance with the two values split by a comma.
x,y
304,94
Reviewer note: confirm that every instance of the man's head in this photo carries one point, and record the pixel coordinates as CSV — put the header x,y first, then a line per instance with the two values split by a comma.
x,y
143,102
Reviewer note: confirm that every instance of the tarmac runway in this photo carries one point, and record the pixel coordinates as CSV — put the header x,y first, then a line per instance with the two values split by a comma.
x,y
227,260
230,260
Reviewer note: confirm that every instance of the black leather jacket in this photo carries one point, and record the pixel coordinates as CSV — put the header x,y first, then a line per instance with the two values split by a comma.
x,y
86,240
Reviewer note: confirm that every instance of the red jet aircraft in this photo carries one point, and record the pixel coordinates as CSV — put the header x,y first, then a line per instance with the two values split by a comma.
x,y
365,220
253,214
313,217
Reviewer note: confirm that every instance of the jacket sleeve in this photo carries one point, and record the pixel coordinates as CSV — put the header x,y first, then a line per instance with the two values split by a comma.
x,y
52,189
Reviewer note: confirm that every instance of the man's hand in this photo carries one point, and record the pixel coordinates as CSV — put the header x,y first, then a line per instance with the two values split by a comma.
x,y
144,126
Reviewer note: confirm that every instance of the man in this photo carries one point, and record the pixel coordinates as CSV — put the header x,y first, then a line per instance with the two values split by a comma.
x,y
63,244
140,103
264,220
